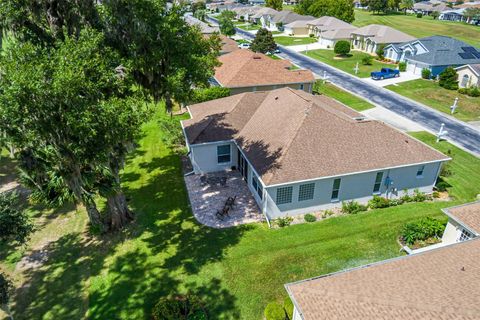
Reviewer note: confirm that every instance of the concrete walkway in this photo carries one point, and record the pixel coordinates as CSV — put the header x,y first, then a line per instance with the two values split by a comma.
x,y
404,77
460,133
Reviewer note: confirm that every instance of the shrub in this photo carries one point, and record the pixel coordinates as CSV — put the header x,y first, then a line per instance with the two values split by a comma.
x,y
327,213
463,90
186,307
448,79
284,222
402,66
311,35
379,202
342,47
207,94
395,202
380,52
367,60
310,217
442,186
418,196
419,15
353,207
473,92
288,306
422,230
426,73
436,194
242,19
406,197
274,311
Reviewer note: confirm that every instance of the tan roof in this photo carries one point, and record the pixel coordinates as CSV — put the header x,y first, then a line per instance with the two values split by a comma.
x,y
329,23
383,34
245,68
290,135
437,284
287,16
298,24
202,26
265,11
338,34
466,214
228,45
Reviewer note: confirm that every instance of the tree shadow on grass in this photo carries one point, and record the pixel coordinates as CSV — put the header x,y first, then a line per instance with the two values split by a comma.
x,y
172,250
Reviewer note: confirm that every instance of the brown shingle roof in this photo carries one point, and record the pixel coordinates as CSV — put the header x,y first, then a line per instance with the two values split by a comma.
x,y
245,68
330,23
289,135
437,284
466,214
383,34
228,45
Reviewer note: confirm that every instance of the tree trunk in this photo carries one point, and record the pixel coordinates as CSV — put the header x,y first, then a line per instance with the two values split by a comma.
x,y
118,213
169,104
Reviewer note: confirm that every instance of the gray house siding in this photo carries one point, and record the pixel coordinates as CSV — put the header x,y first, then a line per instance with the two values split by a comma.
x,y
204,157
357,187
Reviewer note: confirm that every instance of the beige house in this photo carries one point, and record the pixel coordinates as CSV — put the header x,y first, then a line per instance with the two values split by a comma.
x,y
297,28
437,284
247,71
468,75
329,30
368,38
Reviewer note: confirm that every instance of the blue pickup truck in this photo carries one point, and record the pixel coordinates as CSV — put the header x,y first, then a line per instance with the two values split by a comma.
x,y
385,73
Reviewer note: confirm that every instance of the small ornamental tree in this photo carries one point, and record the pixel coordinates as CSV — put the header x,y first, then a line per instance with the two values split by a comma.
x,y
342,48
227,27
263,42
380,51
448,79
274,4
15,226
426,73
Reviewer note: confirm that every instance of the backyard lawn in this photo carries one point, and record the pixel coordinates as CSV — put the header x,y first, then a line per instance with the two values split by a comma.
x,y
342,96
430,93
294,41
165,251
423,27
250,27
348,64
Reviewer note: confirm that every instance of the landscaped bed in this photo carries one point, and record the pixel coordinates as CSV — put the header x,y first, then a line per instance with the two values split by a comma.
x,y
431,94
348,64
235,271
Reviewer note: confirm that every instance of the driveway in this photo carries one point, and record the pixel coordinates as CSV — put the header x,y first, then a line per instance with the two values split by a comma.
x,y
404,77
461,134
305,47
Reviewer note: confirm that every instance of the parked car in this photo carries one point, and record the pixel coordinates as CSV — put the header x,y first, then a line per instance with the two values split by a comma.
x,y
244,45
385,73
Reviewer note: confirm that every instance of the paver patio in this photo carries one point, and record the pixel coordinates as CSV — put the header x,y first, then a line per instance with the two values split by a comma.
x,y
206,199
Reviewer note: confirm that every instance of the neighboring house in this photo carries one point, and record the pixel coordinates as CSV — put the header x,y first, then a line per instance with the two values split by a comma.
x,y
247,71
263,16
297,28
329,38
433,53
437,284
453,15
300,153
204,28
256,2
326,23
463,223
282,18
468,76
368,38
246,12
228,45
427,7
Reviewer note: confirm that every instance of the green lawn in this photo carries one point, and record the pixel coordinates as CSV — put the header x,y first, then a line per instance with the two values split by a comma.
x,y
348,64
342,96
423,27
430,93
165,251
250,27
293,41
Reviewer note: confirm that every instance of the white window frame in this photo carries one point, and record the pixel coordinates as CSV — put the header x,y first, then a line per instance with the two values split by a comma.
x,y
306,185
379,183
464,236
221,155
420,169
259,188
332,198
291,195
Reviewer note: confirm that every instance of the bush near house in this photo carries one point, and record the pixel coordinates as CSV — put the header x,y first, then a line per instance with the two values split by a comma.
x,y
472,92
353,207
379,51
188,307
310,217
422,230
402,66
342,48
367,60
274,311
207,94
426,73
448,79
284,221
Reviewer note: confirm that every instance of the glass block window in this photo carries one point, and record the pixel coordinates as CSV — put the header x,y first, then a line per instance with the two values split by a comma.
x,y
306,192
284,195
420,171
223,153
465,235
257,186
378,182
336,188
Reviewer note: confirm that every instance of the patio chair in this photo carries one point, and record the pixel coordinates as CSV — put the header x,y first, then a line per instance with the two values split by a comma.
x,y
230,202
221,214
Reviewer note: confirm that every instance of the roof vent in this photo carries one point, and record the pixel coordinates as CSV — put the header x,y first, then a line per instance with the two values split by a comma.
x,y
359,118
276,98
257,57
